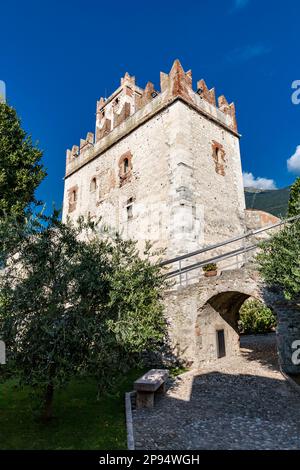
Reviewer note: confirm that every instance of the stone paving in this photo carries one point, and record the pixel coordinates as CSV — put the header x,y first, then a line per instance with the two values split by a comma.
x,y
238,403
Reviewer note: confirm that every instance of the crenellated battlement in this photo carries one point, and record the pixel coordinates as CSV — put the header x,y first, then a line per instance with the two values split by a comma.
x,y
129,99
76,150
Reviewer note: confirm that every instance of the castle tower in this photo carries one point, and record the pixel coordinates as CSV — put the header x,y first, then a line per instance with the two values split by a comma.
x,y
164,165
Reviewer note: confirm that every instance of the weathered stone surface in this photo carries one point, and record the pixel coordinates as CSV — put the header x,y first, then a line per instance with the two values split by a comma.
x,y
183,184
183,198
197,311
151,380
233,403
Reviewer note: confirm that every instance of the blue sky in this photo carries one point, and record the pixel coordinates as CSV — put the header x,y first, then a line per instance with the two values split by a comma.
x,y
58,58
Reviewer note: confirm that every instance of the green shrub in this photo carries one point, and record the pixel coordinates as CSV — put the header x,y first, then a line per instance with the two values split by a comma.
x,y
210,267
256,318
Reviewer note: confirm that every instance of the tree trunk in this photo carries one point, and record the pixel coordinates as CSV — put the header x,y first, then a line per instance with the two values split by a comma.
x,y
48,402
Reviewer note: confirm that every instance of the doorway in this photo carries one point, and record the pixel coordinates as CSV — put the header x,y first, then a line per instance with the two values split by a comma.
x,y
221,349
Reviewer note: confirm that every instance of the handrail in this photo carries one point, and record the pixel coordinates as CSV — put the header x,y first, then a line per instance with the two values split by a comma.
x,y
200,264
228,241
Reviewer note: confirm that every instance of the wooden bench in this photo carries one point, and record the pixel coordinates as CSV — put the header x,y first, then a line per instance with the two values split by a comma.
x,y
152,382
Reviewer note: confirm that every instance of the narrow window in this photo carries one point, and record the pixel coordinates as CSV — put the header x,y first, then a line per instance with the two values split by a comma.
x,y
125,168
93,185
221,343
129,209
74,196
125,165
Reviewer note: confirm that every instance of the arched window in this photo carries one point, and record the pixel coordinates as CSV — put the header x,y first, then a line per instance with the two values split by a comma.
x,y
93,185
219,157
125,165
73,196
125,168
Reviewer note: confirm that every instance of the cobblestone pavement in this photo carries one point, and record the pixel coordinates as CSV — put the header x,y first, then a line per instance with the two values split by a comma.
x,y
240,403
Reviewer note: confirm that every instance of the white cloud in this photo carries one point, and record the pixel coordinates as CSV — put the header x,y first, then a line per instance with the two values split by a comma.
x,y
293,163
258,183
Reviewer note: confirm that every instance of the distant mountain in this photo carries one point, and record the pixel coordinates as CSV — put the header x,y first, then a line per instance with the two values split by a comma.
x,y
274,201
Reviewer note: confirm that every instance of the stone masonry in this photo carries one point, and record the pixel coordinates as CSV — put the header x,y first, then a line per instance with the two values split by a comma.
x,y
164,165
196,312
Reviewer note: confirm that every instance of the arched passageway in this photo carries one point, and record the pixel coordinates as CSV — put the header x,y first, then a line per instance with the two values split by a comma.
x,y
216,327
203,318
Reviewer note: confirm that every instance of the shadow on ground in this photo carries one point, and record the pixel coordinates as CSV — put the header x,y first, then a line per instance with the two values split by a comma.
x,y
260,348
230,404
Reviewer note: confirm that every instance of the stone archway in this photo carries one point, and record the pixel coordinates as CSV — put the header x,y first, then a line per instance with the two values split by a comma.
x,y
217,323
196,312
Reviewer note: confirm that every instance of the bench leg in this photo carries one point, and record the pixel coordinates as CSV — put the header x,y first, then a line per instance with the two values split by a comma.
x,y
162,389
144,400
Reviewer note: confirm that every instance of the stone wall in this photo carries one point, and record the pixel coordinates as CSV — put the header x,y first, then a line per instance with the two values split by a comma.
x,y
196,312
288,332
182,185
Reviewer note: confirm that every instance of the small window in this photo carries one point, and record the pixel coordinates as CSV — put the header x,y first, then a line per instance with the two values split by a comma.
x,y
125,166
219,158
74,196
129,209
93,185
103,113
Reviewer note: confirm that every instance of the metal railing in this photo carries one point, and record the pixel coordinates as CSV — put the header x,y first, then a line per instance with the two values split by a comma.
x,y
221,257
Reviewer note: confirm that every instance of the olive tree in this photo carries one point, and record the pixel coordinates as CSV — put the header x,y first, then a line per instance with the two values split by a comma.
x,y
74,302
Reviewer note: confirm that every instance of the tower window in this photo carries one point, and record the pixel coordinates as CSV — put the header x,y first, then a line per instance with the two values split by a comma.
x,y
218,154
73,196
125,168
93,185
125,165
129,208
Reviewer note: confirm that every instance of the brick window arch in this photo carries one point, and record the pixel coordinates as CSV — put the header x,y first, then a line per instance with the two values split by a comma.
x,y
125,168
218,154
73,197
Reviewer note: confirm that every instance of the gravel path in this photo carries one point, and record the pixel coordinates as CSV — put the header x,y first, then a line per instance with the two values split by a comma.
x,y
240,403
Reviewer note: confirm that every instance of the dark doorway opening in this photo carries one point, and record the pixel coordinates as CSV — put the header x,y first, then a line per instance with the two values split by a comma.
x,y
221,343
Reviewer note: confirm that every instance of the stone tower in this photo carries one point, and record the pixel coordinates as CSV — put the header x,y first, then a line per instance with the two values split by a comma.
x,y
164,165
